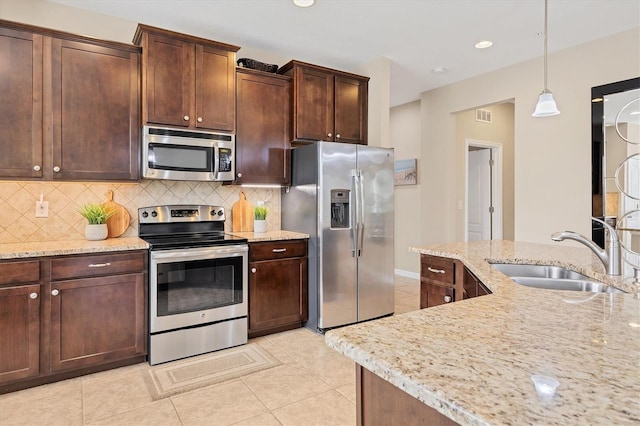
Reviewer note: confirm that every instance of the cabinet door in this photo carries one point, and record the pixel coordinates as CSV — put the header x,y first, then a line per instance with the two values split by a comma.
x,y
263,147
95,112
350,110
215,89
313,105
21,105
19,332
168,81
434,295
97,320
276,293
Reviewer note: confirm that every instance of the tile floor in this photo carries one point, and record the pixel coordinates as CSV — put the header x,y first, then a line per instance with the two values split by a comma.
x,y
314,385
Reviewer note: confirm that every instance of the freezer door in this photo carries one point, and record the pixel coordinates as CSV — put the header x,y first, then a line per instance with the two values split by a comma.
x,y
376,261
337,281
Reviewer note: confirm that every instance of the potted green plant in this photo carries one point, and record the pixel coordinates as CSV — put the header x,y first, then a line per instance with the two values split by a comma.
x,y
260,218
96,215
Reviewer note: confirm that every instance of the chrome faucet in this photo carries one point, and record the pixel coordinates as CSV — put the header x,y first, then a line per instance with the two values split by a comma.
x,y
611,256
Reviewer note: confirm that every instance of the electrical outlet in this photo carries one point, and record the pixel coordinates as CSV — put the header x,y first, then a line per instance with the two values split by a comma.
x,y
42,209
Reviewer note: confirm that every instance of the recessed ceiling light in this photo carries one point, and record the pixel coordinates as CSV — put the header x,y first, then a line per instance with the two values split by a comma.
x,y
439,70
483,44
304,3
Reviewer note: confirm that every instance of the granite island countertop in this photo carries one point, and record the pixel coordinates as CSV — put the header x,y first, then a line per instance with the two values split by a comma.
x,y
473,360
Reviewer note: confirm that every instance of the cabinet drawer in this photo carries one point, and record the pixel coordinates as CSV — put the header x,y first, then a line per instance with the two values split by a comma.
x,y
27,271
438,269
277,249
101,264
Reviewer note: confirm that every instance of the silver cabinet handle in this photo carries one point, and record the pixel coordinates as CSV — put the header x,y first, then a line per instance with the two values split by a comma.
x,y
338,135
282,250
253,270
447,299
36,168
435,271
33,295
329,135
54,292
239,175
99,265
199,119
56,169
185,118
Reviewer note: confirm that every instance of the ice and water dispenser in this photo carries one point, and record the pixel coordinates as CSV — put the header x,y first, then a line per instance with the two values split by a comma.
x,y
340,208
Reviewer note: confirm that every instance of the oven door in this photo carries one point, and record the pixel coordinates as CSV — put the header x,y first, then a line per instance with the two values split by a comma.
x,y
196,286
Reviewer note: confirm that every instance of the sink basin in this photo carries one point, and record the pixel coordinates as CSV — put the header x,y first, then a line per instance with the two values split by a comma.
x,y
538,271
566,284
552,277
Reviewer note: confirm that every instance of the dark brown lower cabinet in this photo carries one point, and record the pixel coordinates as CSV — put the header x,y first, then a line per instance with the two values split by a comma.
x,y
378,402
65,316
97,320
19,332
277,286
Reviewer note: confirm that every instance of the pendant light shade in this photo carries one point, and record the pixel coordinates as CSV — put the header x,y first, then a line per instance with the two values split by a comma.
x,y
546,105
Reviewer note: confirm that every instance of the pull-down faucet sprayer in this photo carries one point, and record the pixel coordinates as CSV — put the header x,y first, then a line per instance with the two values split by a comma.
x,y
611,256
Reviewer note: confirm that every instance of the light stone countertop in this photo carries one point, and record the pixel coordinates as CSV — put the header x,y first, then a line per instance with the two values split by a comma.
x,y
270,235
57,248
473,360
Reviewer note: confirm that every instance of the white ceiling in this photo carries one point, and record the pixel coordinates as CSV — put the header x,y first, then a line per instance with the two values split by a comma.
x,y
415,35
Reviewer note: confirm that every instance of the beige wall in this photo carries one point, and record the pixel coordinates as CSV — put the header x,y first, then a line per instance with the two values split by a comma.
x,y
404,123
379,72
500,131
552,155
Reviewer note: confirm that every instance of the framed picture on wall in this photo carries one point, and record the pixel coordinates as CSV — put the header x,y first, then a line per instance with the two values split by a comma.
x,y
405,172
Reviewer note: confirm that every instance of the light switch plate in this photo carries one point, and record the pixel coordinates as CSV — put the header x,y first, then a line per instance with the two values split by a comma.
x,y
42,209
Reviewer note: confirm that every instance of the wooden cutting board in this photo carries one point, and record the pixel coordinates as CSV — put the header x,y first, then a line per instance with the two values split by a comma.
x,y
242,214
119,222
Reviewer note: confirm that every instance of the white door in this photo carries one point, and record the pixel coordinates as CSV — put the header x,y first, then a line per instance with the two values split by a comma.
x,y
479,195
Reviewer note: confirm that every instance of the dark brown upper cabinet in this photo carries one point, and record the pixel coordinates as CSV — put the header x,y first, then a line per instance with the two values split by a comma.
x,y
328,105
263,141
187,81
71,108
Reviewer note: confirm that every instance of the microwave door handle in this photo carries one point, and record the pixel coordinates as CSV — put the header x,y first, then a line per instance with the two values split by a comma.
x,y
216,156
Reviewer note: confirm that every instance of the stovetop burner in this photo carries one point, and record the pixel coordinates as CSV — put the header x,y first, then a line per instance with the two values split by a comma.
x,y
184,226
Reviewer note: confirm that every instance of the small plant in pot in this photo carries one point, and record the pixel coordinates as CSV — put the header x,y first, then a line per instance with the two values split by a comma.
x,y
260,218
96,215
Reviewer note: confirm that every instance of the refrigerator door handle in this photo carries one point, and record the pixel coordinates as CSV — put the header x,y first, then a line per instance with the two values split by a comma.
x,y
353,199
360,203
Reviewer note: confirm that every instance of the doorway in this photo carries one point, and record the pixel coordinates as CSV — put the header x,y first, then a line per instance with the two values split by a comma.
x,y
483,190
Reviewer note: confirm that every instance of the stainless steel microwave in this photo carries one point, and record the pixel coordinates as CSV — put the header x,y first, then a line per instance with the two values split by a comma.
x,y
176,154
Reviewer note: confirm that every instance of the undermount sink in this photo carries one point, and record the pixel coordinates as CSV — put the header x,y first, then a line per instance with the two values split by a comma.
x,y
552,277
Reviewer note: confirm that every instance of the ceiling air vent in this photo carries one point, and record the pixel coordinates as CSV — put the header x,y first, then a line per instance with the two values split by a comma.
x,y
483,115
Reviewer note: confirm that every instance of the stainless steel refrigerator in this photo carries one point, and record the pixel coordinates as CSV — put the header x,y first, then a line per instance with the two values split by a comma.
x,y
342,196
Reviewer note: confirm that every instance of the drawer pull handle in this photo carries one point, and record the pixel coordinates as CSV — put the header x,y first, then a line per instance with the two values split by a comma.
x,y
447,299
281,250
435,271
33,295
54,292
99,265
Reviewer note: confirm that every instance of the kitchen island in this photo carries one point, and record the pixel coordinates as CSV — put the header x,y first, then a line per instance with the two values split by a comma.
x,y
472,361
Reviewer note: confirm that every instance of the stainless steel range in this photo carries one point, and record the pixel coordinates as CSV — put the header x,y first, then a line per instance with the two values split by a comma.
x,y
197,281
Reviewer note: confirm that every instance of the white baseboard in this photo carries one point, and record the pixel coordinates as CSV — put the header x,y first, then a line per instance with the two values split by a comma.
x,y
407,274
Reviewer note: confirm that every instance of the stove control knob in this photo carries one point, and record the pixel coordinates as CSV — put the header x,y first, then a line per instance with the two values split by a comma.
x,y
154,213
213,212
145,214
220,213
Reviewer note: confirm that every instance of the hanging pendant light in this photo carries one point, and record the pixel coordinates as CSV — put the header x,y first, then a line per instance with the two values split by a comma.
x,y
546,105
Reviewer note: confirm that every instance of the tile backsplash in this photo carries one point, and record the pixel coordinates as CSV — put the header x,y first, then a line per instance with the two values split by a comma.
x,y
18,222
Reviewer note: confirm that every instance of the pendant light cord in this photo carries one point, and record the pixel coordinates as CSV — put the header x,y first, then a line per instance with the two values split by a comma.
x,y
545,46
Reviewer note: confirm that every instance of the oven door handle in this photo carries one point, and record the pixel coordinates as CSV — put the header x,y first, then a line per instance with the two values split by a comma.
x,y
196,254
